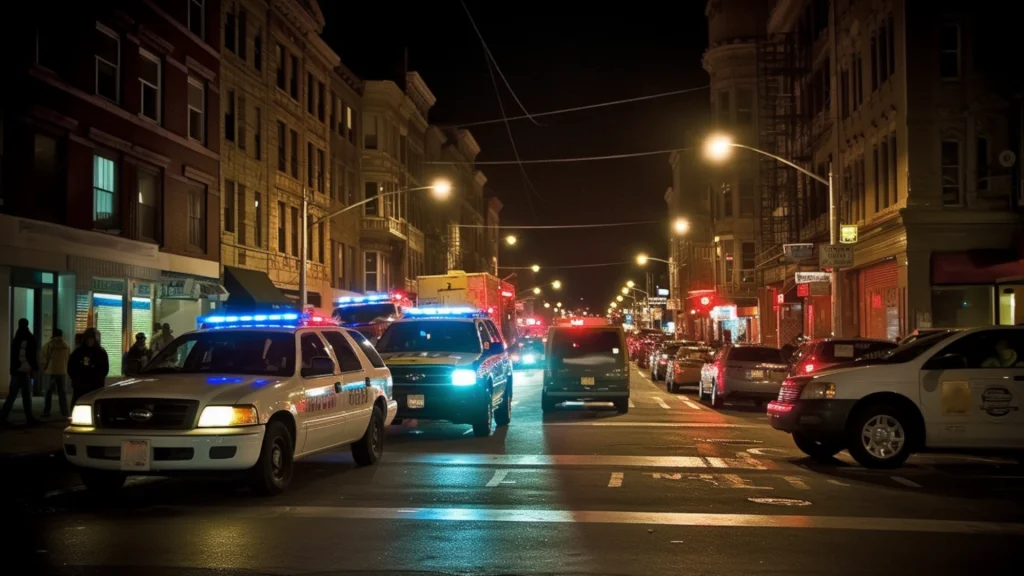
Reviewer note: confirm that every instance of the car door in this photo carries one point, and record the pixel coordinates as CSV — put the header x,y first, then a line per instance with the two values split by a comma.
x,y
504,372
355,389
971,390
322,406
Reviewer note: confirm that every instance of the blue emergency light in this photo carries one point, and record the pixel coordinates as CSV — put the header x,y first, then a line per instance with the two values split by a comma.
x,y
368,299
445,312
264,320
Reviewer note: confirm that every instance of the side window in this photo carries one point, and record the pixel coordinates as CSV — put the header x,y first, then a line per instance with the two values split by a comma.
x,y
493,330
485,335
988,349
312,346
347,357
368,349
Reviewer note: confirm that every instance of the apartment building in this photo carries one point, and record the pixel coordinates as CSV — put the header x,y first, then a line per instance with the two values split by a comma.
x,y
110,183
346,180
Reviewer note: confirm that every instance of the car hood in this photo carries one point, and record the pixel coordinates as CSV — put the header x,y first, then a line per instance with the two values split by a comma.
x,y
429,358
207,388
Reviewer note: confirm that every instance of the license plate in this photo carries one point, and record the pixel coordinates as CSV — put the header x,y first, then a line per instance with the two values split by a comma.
x,y
135,455
756,375
587,380
415,401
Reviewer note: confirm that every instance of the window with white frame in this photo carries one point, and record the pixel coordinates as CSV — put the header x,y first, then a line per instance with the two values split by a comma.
x,y
196,110
108,63
376,271
197,17
949,48
197,215
147,208
951,186
149,82
104,193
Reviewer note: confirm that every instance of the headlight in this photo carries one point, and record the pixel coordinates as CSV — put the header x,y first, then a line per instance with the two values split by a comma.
x,y
226,416
529,359
463,377
515,357
81,415
818,391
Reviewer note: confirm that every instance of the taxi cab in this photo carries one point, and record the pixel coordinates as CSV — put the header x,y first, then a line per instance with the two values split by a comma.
x,y
245,393
449,363
949,391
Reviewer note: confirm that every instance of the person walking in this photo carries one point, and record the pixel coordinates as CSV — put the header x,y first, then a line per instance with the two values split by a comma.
x,y
162,339
137,356
55,363
24,364
88,366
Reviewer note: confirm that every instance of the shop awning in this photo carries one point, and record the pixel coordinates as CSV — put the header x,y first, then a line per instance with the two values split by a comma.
x,y
252,288
975,266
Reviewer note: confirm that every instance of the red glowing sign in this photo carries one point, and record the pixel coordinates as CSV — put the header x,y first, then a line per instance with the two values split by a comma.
x,y
803,290
507,294
704,301
780,299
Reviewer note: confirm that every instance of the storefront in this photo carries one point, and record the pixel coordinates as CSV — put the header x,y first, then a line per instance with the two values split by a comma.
x,y
879,300
976,288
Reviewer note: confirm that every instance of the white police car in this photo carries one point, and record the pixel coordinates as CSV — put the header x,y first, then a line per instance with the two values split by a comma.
x,y
248,392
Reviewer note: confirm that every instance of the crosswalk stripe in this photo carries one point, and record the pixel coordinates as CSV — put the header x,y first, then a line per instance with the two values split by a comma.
x,y
615,481
796,482
660,402
631,404
499,475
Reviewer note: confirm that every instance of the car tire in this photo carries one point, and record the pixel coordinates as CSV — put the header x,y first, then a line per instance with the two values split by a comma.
x,y
546,404
273,471
503,415
622,406
716,400
102,482
822,451
482,428
881,435
369,449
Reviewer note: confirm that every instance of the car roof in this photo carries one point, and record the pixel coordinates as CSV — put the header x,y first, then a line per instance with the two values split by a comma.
x,y
434,319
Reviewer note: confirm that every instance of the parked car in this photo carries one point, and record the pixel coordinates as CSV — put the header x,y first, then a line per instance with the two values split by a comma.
x,y
817,355
685,368
743,371
662,354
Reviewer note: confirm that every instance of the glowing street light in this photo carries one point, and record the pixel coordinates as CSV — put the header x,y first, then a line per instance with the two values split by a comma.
x,y
511,240
558,305
536,290
681,226
614,304
642,259
535,268
718,147
630,284
547,305
625,290
619,298
557,285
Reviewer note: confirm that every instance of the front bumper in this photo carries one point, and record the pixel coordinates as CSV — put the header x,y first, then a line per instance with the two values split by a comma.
x,y
456,404
213,449
814,418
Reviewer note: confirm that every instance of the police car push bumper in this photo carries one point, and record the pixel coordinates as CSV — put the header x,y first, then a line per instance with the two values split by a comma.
x,y
458,402
164,451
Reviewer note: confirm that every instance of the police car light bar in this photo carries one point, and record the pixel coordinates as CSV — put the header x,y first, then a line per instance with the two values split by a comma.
x,y
264,320
445,312
369,298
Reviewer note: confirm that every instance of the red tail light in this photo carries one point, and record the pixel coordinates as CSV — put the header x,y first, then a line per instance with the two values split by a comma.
x,y
808,368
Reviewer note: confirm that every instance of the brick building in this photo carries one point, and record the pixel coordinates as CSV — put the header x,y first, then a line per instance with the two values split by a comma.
x,y
110,181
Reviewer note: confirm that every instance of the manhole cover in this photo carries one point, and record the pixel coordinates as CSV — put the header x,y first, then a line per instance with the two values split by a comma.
x,y
780,501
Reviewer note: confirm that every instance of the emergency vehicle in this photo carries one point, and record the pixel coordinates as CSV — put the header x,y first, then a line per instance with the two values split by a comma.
x,y
480,290
449,363
370,314
245,393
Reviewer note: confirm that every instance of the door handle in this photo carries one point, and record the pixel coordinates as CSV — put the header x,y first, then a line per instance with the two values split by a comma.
x,y
337,387
367,381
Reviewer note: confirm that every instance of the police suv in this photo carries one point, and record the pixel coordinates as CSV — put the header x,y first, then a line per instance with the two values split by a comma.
x,y
449,364
245,392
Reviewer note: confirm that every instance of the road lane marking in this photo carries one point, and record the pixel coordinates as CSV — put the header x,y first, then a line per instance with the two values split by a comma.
x,y
631,405
615,481
660,402
656,424
689,403
530,515
905,482
736,482
546,460
796,482
838,483
761,451
740,463
499,476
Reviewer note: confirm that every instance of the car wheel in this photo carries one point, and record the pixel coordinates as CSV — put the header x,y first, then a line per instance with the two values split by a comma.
x,y
273,471
546,403
716,400
369,449
622,406
102,482
822,451
880,436
482,428
504,414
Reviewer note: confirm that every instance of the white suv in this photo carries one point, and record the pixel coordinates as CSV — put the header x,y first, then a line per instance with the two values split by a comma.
x,y
244,393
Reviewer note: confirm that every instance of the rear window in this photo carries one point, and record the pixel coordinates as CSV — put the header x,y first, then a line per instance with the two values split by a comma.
x,y
850,350
756,354
694,354
582,346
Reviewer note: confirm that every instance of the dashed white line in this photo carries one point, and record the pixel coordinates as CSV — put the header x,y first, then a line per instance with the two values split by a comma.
x,y
615,481
660,402
631,404
691,404
496,480
796,482
906,482
838,483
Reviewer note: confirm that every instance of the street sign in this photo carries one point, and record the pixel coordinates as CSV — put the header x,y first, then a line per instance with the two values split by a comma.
x,y
848,234
797,252
803,290
812,277
835,256
657,301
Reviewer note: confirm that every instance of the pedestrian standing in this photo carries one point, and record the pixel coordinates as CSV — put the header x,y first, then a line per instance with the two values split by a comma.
x,y
24,364
88,366
162,339
137,356
55,363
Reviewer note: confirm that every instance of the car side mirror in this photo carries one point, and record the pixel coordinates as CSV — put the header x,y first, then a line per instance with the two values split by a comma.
x,y
319,366
947,362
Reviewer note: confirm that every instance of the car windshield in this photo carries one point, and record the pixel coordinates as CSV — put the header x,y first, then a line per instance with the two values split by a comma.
x,y
670,350
756,354
263,353
365,313
430,336
532,345
583,346
906,352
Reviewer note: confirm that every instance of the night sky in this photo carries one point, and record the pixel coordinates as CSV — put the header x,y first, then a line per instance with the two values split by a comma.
x,y
554,56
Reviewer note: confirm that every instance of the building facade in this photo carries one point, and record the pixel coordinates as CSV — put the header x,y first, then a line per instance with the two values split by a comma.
x,y
110,183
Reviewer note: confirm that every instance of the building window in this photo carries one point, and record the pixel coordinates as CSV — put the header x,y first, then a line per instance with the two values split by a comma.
x,y
147,222
229,206
883,175
337,183
844,92
858,81
257,50
243,37
878,183
282,155
229,117
949,57
259,223
745,106
894,173
242,133
295,231
724,108
309,92
243,232
874,62
197,215
370,189
349,125
196,110
747,262
197,17
320,171
746,197
294,84
321,101
230,39
104,194
49,182
892,46
310,168
951,173
282,232
149,81
883,55
322,233
295,154
108,63
370,132
257,135
981,158
280,66
730,261
727,201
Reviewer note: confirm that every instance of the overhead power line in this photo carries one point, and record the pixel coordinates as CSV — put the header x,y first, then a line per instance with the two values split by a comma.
x,y
568,160
586,107
598,265
561,226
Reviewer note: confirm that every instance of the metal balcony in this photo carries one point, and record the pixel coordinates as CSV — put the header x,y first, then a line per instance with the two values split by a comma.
x,y
384,228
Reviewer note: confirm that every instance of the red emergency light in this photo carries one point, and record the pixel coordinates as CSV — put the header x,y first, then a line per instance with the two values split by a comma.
x,y
507,294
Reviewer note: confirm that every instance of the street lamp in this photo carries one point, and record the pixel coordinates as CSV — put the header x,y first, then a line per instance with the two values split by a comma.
x,y
625,290
619,298
558,305
440,189
535,268
681,226
642,259
511,240
536,290
614,304
630,283
557,285
718,147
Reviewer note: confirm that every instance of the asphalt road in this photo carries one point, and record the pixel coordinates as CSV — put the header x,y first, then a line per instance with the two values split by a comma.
x,y
673,487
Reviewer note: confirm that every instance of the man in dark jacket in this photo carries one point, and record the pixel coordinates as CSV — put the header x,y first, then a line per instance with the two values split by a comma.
x,y
137,356
24,363
88,366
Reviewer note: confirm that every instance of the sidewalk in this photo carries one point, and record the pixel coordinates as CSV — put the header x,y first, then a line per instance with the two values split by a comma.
x,y
19,440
